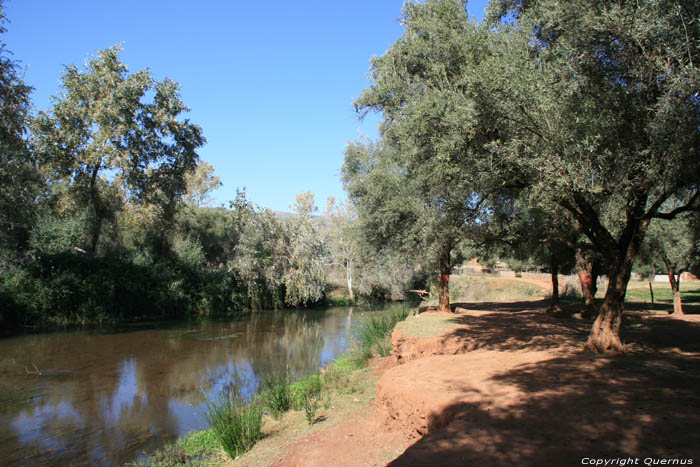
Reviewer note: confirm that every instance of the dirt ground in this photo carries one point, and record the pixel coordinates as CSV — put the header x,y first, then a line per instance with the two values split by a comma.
x,y
508,384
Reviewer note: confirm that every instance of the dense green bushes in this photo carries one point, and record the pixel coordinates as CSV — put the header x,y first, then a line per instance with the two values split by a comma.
x,y
77,289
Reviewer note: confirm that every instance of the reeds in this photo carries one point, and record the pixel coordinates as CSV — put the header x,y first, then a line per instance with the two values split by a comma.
x,y
236,422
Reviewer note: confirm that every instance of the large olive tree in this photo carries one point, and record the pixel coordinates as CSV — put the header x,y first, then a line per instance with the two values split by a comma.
x,y
601,111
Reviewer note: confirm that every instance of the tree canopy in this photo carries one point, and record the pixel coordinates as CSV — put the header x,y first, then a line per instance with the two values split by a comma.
x,y
595,113
102,124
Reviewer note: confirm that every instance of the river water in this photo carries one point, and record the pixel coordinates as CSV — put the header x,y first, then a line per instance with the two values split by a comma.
x,y
95,398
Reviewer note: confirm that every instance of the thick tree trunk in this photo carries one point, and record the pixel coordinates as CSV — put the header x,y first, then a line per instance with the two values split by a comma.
x,y
588,278
605,334
554,299
444,283
675,280
620,253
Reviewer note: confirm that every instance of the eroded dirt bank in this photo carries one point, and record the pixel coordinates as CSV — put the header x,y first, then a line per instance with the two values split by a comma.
x,y
507,384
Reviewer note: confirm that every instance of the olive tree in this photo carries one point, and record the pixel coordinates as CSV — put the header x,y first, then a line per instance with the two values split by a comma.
x,y
600,113
671,246
429,130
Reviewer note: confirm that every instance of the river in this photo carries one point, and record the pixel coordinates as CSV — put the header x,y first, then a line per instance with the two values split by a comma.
x,y
96,398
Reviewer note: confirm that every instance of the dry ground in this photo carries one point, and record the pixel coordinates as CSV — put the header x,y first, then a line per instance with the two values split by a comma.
x,y
508,384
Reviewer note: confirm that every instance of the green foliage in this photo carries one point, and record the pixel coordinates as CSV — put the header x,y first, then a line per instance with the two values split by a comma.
x,y
19,178
310,407
236,423
102,123
52,235
307,386
305,275
199,184
194,449
375,331
276,395
412,192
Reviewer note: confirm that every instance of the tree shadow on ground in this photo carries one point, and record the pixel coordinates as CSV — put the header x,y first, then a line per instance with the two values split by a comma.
x,y
573,405
519,327
516,329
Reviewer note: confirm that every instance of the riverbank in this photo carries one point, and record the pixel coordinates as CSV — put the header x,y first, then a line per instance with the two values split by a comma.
x,y
516,391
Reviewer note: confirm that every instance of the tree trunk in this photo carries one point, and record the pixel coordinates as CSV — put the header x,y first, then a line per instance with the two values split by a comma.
x,y
348,277
588,278
444,294
651,288
95,217
675,280
620,253
605,334
554,299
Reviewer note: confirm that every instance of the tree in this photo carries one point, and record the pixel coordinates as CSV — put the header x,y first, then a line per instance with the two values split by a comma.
x,y
259,256
102,134
306,256
19,178
670,246
600,113
340,231
428,130
200,183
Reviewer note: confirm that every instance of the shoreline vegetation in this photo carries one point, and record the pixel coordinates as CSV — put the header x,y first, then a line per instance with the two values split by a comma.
x,y
282,408
284,411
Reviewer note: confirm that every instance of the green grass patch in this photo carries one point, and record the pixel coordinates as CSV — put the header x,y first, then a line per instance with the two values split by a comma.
x,y
195,449
236,423
276,395
375,332
422,326
309,386
639,292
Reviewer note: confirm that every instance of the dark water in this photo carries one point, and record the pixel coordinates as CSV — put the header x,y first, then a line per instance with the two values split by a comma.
x,y
104,399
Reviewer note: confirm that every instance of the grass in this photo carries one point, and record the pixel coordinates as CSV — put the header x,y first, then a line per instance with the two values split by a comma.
x,y
196,449
639,291
309,386
236,423
427,325
276,395
375,332
469,288
240,428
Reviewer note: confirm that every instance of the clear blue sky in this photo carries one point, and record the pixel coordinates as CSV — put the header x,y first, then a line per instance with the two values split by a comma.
x,y
270,82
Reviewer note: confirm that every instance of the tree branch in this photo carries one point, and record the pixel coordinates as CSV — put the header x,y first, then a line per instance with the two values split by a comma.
x,y
690,206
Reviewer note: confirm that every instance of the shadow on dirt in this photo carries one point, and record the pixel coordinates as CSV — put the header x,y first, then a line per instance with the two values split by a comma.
x,y
575,405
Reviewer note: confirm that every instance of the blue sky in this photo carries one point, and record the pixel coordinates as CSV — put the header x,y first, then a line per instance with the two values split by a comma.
x,y
271,83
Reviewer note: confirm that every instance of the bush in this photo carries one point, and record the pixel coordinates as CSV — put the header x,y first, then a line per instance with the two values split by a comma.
x,y
236,423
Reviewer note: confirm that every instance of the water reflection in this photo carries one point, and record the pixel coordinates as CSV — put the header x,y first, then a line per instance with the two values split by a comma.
x,y
105,399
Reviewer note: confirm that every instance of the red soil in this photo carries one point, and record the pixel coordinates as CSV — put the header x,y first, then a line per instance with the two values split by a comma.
x,y
509,385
